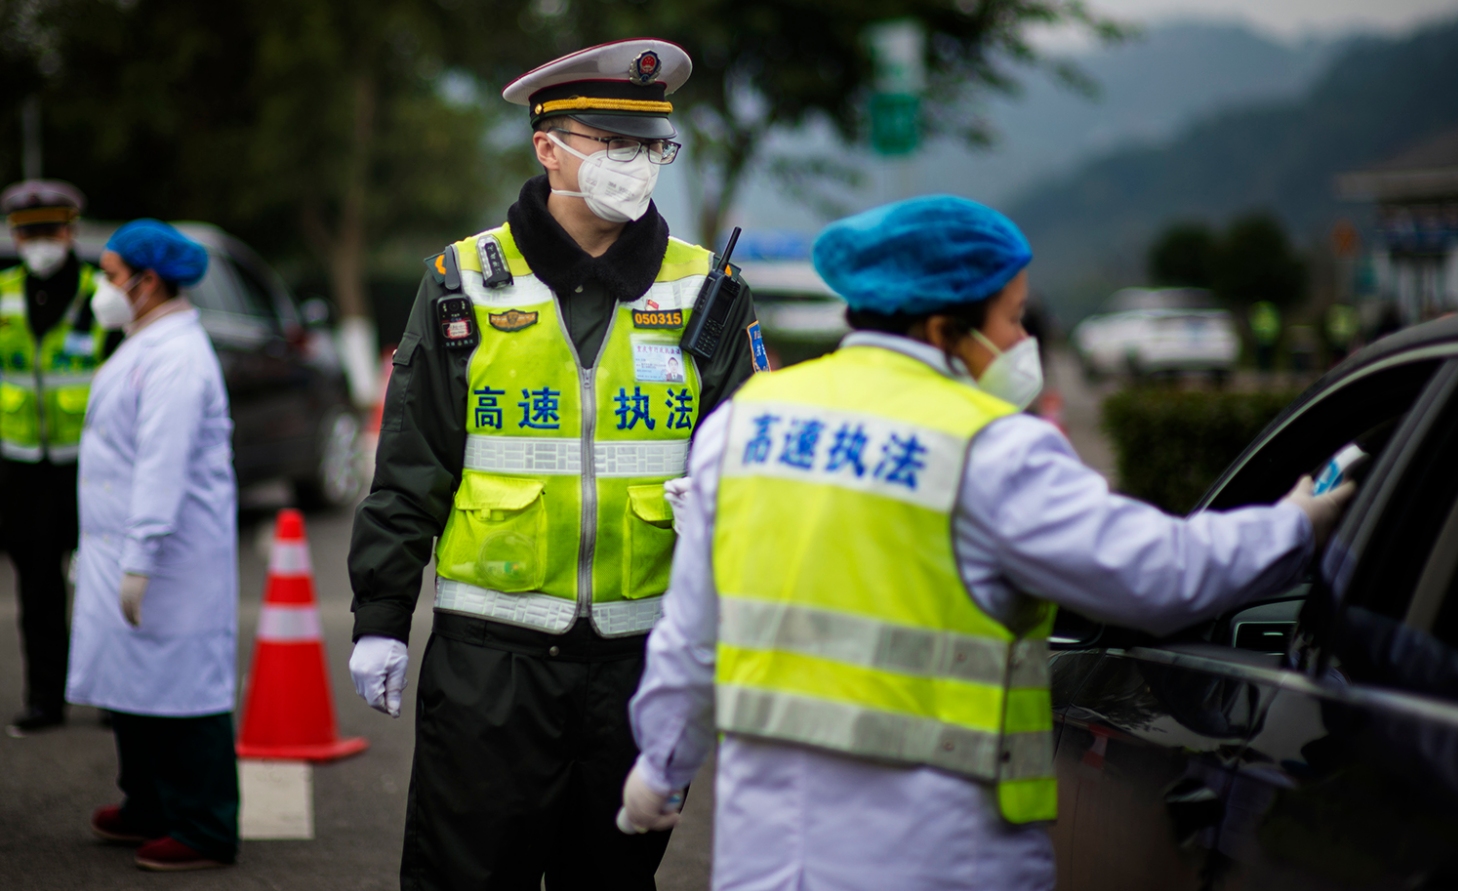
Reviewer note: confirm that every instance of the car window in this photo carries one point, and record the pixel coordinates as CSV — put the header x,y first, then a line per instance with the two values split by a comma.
x,y
217,292
1366,410
1409,544
257,298
1367,407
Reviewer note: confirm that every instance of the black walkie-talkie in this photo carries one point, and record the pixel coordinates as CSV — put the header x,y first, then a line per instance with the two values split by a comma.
x,y
711,309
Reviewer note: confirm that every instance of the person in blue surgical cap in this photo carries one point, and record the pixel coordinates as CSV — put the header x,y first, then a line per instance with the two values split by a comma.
x,y
867,571
154,631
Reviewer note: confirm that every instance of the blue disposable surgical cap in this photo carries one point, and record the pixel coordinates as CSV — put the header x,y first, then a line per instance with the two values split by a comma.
x,y
152,244
921,255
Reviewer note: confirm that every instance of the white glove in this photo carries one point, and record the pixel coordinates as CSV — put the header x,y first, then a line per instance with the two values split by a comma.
x,y
133,589
645,808
1322,510
677,493
378,667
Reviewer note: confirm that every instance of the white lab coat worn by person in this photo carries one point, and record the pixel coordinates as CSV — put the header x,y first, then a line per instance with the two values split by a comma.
x,y
1030,516
158,498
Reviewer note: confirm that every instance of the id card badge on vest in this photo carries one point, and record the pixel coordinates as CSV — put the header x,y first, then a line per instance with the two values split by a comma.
x,y
657,360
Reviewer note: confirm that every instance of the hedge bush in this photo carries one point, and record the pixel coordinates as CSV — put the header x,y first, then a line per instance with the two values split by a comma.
x,y
1170,445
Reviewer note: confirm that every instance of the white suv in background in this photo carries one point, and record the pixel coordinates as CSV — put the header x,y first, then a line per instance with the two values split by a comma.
x,y
1158,330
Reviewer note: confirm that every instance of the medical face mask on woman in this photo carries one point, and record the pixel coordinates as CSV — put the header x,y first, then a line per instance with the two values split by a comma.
x,y
1014,376
616,191
110,305
43,256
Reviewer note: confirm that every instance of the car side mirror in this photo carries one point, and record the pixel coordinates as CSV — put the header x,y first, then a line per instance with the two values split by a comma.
x,y
315,312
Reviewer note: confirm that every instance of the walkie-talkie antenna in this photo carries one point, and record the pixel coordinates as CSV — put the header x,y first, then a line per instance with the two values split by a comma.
x,y
729,249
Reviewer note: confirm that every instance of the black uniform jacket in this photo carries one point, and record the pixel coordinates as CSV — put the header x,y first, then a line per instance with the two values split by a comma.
x,y
423,433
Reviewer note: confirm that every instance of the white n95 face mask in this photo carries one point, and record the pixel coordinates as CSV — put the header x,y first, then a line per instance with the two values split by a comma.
x,y
110,305
1015,376
43,256
616,191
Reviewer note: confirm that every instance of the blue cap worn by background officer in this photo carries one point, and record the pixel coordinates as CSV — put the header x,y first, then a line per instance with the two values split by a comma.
x,y
933,254
147,245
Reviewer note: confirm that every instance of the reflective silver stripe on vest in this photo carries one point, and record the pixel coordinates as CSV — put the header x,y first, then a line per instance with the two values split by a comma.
x,y
529,610
51,380
28,454
63,454
545,612
641,458
869,733
869,643
620,618
548,456
524,454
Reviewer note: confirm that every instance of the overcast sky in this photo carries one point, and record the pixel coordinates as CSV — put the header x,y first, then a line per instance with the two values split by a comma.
x,y
1290,19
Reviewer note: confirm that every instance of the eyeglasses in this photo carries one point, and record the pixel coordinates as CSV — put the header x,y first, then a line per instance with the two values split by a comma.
x,y
620,148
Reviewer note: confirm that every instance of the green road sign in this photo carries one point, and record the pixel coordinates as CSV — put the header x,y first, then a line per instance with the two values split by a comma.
x,y
895,123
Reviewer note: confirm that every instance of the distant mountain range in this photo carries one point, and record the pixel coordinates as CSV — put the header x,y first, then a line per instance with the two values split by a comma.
x,y
1149,88
1090,227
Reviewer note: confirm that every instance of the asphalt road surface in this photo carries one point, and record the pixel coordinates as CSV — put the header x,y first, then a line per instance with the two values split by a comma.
x,y
50,782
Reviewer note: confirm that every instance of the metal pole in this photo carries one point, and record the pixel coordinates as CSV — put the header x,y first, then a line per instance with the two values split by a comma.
x,y
30,128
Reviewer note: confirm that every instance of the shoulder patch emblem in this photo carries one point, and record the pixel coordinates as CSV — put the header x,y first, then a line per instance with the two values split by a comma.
x,y
437,268
512,320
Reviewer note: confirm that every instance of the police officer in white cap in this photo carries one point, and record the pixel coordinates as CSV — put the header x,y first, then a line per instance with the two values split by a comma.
x,y
49,347
540,401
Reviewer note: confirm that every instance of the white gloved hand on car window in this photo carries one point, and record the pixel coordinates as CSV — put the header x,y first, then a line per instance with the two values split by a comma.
x,y
645,808
378,667
1322,510
133,589
677,493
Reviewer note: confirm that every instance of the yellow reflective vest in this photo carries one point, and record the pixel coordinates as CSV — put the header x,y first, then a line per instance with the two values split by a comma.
x,y
560,510
44,386
844,622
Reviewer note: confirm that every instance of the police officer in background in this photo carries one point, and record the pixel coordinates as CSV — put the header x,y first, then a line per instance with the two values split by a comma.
x,y
49,347
539,403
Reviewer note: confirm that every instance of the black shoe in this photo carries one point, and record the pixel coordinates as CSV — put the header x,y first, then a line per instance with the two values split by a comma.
x,y
33,719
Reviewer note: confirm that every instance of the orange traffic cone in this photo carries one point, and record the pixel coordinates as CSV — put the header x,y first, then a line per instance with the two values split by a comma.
x,y
289,711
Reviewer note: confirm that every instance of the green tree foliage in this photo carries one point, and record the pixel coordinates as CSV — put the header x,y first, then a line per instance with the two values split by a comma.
x,y
315,129
766,64
1255,261
1183,256
1252,260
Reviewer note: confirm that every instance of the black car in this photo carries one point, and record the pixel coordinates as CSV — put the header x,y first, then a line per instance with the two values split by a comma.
x,y
1306,741
291,411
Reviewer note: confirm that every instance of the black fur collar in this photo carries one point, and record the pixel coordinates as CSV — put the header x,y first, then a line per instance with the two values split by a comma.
x,y
625,271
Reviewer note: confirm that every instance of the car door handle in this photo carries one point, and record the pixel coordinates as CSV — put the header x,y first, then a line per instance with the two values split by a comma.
x,y
1193,806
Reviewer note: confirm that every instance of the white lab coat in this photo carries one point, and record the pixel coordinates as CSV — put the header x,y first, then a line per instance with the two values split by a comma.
x,y
158,497
1029,516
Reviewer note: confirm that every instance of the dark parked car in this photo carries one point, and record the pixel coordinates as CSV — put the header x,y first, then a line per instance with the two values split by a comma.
x,y
291,411
1307,741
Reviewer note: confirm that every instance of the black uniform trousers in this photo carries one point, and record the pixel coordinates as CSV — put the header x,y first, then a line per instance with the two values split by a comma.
x,y
522,744
180,778
38,522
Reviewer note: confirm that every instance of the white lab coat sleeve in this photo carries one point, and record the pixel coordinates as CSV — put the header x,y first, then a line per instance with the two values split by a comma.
x,y
673,710
1053,529
171,396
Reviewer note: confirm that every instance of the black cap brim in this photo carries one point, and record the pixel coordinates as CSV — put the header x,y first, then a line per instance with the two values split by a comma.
x,y
641,126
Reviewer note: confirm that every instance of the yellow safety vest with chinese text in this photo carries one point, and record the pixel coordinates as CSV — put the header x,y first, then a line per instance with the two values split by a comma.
x,y
560,511
844,623
44,386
